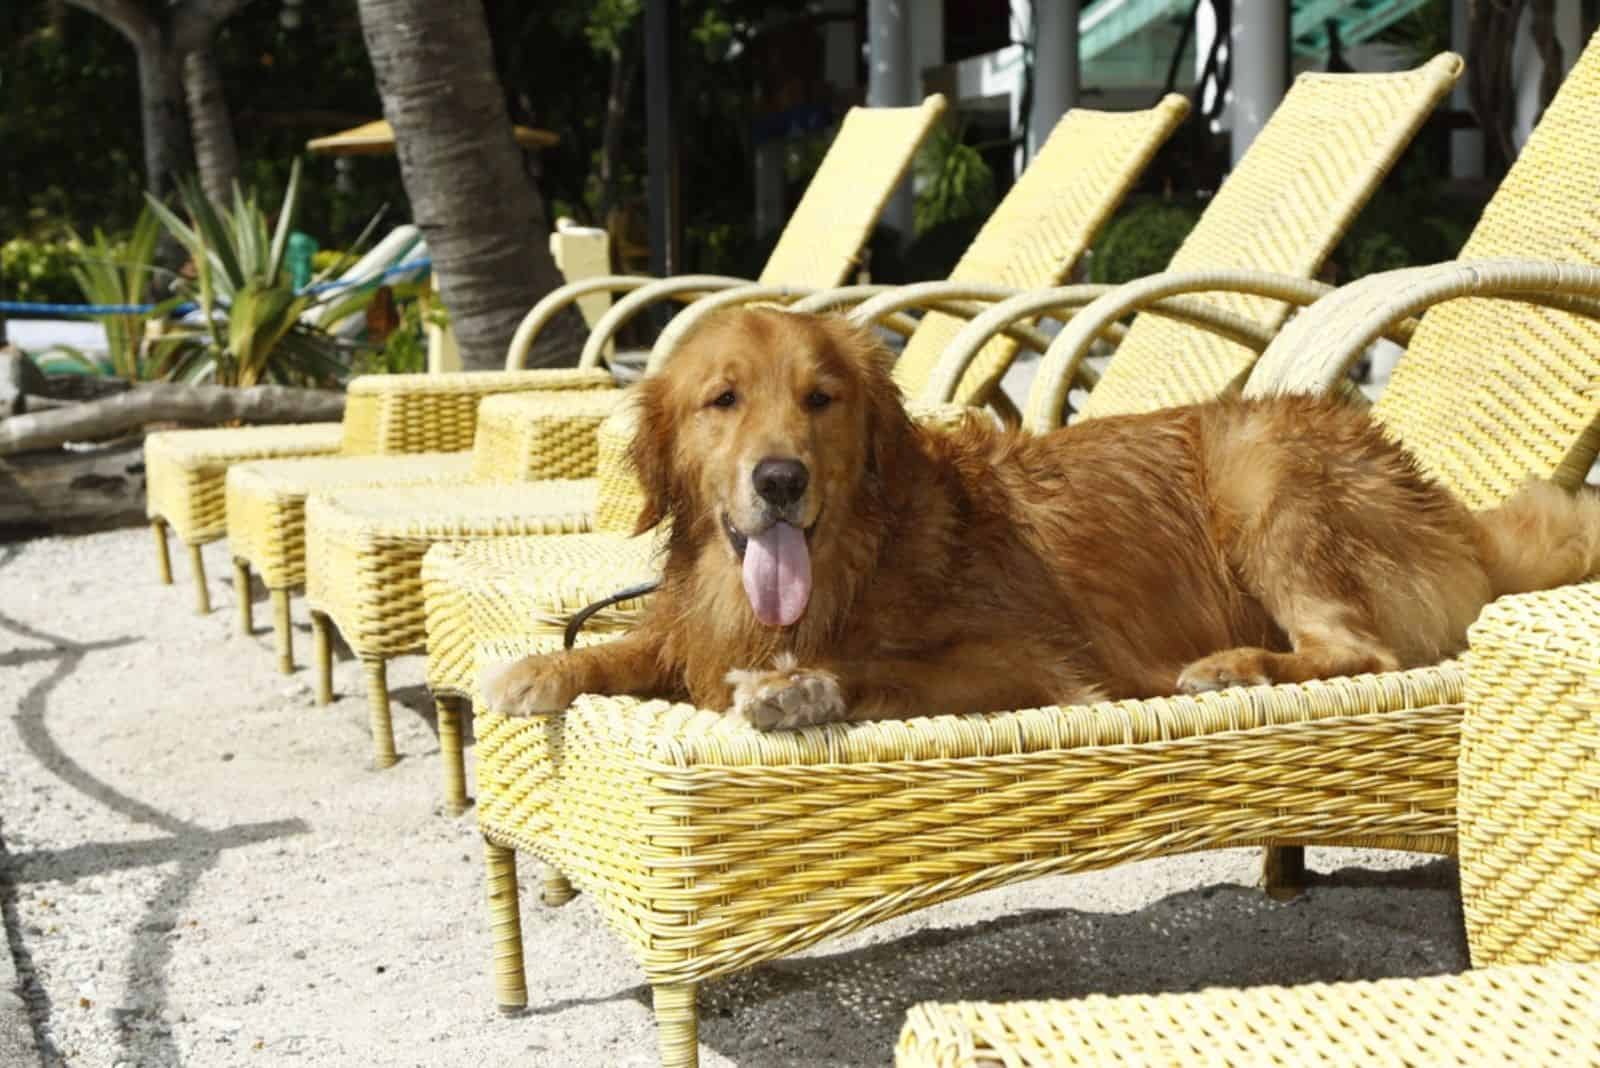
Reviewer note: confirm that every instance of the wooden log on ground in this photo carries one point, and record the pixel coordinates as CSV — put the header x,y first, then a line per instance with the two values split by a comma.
x,y
69,486
166,402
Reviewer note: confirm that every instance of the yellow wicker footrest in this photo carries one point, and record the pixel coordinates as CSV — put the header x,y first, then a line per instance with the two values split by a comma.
x,y
711,846
266,501
515,586
1530,779
1498,1016
365,547
185,469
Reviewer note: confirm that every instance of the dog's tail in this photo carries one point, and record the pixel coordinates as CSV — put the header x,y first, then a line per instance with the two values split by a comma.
x,y
1540,538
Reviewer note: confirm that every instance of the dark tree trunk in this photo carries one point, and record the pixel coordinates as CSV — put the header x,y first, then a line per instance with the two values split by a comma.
x,y
166,137
214,148
486,230
162,35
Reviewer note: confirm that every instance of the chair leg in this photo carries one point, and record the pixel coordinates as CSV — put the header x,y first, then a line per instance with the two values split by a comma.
x,y
677,1024
555,889
202,595
452,754
163,562
378,710
1283,871
241,594
505,928
281,631
322,652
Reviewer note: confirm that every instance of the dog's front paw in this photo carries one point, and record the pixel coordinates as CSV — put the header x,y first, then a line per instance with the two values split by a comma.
x,y
1225,670
785,697
533,686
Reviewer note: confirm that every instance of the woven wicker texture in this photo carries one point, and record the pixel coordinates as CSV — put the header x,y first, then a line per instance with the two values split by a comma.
x,y
821,244
617,503
439,413
1285,206
710,846
1044,224
185,469
1498,1016
505,587
365,548
1522,377
1530,780
267,501
540,435
520,436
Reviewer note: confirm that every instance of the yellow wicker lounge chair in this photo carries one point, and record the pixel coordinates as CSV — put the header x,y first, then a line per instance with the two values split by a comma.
x,y
711,847
1034,237
185,470
517,436
820,245
1528,800
1375,118
1483,1019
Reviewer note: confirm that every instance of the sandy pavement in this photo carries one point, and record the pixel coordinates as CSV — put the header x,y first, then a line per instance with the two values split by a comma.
x,y
200,868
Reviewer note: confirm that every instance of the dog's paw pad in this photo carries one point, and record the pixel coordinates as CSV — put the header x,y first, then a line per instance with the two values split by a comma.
x,y
530,687
1219,672
776,700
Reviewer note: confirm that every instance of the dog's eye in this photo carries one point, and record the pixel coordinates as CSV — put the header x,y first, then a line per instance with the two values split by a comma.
x,y
726,399
817,400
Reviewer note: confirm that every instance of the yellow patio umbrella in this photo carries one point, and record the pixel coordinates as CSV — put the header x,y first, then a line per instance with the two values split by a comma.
x,y
377,139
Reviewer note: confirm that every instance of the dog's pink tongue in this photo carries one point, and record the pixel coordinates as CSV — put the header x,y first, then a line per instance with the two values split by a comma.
x,y
777,574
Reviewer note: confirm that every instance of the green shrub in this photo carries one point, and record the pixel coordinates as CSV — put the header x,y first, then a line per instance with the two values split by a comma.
x,y
39,270
1141,240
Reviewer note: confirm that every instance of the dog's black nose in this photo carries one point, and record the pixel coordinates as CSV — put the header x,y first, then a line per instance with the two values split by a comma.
x,y
780,482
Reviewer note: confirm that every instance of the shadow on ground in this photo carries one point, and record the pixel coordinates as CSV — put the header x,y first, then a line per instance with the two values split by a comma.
x,y
194,848
848,1007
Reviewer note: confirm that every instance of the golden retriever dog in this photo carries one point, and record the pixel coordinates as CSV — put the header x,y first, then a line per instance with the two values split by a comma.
x,y
828,559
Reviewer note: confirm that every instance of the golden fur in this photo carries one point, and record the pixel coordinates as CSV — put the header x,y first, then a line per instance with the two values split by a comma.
x,y
1184,550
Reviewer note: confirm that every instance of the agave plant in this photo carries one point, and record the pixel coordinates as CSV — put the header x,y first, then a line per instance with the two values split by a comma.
x,y
113,272
260,327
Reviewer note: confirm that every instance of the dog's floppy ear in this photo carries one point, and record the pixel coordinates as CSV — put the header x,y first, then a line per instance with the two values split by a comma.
x,y
888,425
651,452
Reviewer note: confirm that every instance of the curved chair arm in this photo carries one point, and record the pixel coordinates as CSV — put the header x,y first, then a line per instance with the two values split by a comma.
x,y
826,300
552,302
685,321
1314,351
1069,349
686,288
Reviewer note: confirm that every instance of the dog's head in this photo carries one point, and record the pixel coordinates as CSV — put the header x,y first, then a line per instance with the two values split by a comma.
x,y
763,432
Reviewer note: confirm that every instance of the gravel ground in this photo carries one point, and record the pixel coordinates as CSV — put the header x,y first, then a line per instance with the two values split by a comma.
x,y
200,869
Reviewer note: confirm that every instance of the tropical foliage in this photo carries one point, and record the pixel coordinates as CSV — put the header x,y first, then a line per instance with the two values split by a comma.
x,y
258,327
118,273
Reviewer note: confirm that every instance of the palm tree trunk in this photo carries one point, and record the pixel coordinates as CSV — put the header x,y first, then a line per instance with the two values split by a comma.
x,y
166,135
486,230
214,148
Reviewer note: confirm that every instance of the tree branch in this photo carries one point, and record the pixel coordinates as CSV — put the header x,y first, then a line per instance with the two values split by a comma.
x,y
131,19
165,402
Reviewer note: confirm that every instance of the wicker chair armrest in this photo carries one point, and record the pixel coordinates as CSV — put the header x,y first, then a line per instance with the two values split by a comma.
x,y
540,314
688,319
1315,350
1528,797
1162,294
684,288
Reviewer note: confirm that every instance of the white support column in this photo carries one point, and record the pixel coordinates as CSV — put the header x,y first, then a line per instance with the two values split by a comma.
x,y
1055,68
1259,46
1466,146
889,84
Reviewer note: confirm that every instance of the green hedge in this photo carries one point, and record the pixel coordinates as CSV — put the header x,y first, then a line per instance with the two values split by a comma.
x,y
39,271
